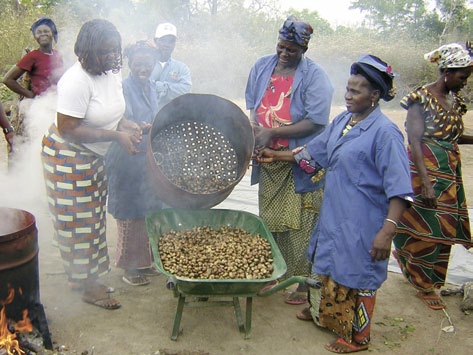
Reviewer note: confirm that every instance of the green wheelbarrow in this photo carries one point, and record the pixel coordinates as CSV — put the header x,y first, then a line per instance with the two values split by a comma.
x,y
163,221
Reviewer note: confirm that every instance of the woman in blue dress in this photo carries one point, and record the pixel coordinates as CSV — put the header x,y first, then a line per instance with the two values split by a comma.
x,y
130,193
367,187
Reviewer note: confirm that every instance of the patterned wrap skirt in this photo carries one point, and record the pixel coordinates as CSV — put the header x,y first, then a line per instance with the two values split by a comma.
x,y
425,235
76,186
291,217
345,311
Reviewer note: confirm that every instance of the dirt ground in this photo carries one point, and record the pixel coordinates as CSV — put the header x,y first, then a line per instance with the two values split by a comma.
x,y
401,325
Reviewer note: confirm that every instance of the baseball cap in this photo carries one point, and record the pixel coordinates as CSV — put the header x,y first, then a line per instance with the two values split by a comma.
x,y
165,29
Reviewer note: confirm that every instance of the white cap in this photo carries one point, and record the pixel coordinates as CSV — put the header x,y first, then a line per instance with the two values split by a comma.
x,y
165,29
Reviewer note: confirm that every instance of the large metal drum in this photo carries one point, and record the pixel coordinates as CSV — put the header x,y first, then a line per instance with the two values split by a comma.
x,y
18,253
19,269
199,148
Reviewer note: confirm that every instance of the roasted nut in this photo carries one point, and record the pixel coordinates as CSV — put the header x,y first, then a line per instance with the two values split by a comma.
x,y
195,157
205,253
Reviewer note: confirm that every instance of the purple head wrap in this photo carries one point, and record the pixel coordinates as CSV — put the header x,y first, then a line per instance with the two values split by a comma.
x,y
48,22
296,31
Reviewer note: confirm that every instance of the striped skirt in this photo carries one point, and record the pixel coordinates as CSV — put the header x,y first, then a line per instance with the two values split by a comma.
x,y
77,191
425,235
423,264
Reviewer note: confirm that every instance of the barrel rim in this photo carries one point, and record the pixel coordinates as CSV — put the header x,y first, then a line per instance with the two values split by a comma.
x,y
29,226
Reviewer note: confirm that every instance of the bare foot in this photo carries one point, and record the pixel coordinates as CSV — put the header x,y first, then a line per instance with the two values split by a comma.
x,y
96,294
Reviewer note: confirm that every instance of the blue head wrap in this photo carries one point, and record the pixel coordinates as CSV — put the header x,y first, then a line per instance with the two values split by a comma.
x,y
296,31
45,21
377,72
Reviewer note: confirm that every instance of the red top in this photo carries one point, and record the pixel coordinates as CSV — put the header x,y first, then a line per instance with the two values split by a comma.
x,y
275,106
43,69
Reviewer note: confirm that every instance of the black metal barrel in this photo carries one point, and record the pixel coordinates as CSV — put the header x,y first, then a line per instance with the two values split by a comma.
x,y
19,268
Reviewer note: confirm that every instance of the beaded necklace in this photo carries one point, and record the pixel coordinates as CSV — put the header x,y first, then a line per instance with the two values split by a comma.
x,y
349,126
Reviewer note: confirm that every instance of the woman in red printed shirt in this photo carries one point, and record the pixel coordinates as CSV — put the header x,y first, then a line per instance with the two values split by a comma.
x,y
43,65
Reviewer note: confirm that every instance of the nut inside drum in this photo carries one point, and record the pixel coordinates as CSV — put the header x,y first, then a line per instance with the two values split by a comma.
x,y
195,157
199,148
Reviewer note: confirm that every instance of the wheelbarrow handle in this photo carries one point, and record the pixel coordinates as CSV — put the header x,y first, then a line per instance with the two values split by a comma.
x,y
171,283
288,282
313,283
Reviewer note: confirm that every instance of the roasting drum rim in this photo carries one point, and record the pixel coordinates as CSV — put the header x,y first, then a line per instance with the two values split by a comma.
x,y
219,113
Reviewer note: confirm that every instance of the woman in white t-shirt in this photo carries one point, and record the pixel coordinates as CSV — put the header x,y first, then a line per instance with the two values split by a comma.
x,y
89,117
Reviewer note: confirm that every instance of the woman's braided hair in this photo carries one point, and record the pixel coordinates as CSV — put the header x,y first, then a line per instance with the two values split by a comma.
x,y
88,44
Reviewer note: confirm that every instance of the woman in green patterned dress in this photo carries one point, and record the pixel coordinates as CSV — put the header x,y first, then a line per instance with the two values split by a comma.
x,y
439,216
289,98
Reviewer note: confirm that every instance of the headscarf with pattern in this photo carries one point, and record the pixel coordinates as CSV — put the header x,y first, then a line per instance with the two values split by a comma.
x,y
296,31
449,56
48,22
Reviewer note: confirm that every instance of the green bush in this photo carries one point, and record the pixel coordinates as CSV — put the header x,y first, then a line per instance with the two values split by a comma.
x,y
220,50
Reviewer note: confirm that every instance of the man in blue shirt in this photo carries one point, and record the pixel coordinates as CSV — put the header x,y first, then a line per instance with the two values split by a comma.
x,y
171,77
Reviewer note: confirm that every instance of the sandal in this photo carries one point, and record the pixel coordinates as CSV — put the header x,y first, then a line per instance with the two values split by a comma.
x,y
432,300
148,271
304,314
341,346
135,280
296,298
96,295
107,302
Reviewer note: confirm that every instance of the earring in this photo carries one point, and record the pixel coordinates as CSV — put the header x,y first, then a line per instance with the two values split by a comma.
x,y
372,103
445,80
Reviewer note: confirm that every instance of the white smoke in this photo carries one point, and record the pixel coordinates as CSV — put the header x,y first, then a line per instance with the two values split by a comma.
x,y
23,181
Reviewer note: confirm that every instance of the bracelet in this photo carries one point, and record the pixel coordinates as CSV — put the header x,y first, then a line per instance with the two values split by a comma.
x,y
390,220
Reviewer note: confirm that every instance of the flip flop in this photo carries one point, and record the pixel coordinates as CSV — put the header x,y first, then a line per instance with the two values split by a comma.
x,y
431,299
304,314
296,298
341,346
107,302
135,280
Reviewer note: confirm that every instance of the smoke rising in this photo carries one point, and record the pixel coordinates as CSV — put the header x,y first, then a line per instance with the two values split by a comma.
x,y
23,182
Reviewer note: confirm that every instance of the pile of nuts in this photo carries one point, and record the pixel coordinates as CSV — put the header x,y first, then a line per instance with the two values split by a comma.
x,y
207,253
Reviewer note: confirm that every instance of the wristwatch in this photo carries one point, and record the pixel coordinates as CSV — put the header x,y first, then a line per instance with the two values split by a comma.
x,y
8,129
